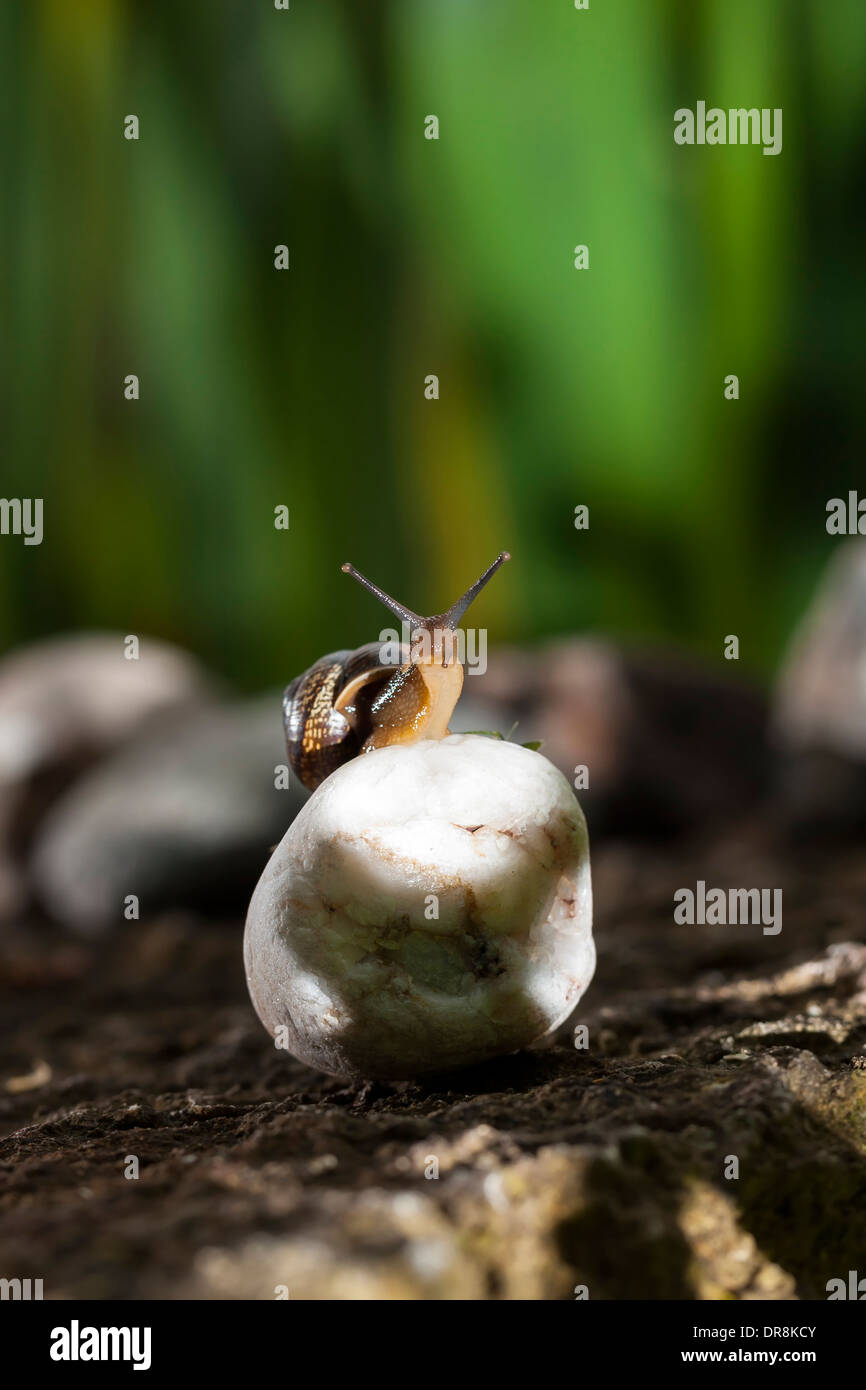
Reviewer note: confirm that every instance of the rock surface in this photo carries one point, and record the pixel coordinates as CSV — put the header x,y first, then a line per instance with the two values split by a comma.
x,y
604,1167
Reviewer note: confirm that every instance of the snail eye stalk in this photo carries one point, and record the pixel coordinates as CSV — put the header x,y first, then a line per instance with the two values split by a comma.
x,y
398,609
447,620
456,611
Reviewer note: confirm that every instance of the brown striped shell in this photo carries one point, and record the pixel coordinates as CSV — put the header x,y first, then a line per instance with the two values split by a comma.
x,y
333,709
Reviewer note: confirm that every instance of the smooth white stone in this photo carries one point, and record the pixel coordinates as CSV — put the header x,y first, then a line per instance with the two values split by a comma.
x,y
339,948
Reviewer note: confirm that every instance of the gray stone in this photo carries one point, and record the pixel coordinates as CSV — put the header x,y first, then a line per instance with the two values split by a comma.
x,y
65,703
669,743
184,818
819,713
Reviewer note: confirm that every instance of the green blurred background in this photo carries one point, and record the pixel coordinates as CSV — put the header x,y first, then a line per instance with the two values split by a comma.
x,y
410,257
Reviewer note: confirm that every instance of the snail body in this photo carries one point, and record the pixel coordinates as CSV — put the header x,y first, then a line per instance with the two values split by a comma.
x,y
352,702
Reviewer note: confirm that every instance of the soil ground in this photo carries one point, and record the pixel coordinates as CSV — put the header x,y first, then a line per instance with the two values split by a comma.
x,y
709,1142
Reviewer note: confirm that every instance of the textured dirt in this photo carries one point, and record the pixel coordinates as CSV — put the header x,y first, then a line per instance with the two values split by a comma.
x,y
602,1167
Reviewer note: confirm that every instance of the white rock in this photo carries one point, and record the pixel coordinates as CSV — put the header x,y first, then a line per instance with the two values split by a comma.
x,y
343,951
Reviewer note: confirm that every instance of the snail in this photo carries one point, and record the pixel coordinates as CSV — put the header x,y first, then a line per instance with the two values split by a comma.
x,y
430,906
351,702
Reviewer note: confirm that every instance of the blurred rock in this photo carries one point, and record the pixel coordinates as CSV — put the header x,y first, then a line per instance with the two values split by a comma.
x,y
819,714
64,703
669,744
473,716
184,818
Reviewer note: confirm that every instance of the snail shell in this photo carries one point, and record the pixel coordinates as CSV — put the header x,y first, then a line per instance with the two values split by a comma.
x,y
327,710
